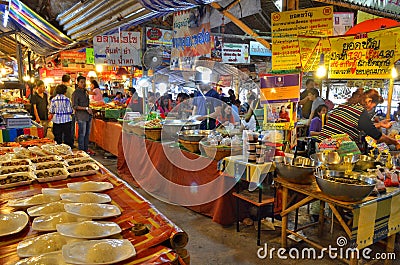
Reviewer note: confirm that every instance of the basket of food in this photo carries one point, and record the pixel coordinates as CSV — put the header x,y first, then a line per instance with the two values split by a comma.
x,y
218,152
190,146
152,129
345,187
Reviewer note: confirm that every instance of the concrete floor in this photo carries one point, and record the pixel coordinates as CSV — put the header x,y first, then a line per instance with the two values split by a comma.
x,y
213,244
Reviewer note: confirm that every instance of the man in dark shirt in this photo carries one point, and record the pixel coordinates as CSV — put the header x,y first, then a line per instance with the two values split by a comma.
x,y
83,114
208,107
304,102
39,102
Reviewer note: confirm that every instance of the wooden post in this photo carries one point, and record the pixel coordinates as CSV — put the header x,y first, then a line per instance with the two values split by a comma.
x,y
389,99
285,217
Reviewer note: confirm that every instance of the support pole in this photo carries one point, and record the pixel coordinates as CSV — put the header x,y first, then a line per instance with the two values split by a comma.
x,y
389,99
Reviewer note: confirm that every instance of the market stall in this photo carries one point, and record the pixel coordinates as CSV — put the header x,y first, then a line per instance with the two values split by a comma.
x,y
221,210
105,134
153,246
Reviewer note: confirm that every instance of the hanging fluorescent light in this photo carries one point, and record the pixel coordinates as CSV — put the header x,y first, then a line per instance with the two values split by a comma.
x,y
6,12
395,74
321,70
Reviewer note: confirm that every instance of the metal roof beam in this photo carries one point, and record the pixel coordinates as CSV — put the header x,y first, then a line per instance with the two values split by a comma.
x,y
8,33
241,25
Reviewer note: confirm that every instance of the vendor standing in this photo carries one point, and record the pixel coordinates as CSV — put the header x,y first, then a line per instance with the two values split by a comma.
x,y
83,114
353,118
208,106
305,102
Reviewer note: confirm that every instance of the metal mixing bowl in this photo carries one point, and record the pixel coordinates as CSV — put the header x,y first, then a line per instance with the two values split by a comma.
x,y
334,161
365,162
193,135
172,127
295,174
344,191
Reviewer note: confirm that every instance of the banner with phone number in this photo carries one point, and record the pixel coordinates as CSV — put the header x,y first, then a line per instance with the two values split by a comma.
x,y
368,56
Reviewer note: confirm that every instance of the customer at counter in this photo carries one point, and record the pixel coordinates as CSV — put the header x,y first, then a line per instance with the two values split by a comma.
x,y
353,119
208,106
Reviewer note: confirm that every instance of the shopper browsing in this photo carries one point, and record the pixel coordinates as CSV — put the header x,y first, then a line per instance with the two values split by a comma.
x,y
83,114
61,110
40,103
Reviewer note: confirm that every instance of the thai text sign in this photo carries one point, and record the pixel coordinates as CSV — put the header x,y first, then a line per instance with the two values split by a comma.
x,y
286,26
258,49
235,53
368,56
192,37
68,57
280,88
117,49
158,36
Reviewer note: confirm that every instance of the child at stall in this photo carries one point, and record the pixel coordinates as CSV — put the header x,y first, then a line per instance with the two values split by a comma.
x,y
316,122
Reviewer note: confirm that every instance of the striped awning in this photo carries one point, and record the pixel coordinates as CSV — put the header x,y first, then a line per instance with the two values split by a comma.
x,y
172,5
32,30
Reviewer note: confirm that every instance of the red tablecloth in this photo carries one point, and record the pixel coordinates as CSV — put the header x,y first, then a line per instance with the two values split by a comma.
x,y
150,248
105,134
156,163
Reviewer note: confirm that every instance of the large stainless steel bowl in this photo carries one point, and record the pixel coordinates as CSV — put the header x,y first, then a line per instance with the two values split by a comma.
x,y
172,127
333,161
295,174
365,162
193,135
332,184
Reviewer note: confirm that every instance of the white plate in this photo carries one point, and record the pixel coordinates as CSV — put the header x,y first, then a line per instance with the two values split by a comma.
x,y
46,158
48,222
88,197
15,179
89,229
58,192
52,258
51,174
50,165
105,251
12,223
34,200
82,170
79,161
90,186
92,210
48,208
43,244
37,150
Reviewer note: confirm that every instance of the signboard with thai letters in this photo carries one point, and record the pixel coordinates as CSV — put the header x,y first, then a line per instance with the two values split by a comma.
x,y
117,49
235,53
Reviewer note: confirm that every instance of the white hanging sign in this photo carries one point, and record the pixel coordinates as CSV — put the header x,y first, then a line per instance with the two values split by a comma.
x,y
235,53
117,50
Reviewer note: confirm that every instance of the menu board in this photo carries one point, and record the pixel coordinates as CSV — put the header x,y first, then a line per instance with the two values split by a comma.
x,y
286,26
367,55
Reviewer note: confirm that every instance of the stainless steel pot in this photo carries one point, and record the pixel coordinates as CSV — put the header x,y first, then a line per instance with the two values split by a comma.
x,y
295,174
172,127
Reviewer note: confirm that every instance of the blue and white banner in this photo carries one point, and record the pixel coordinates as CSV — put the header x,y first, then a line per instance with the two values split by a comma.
x,y
258,49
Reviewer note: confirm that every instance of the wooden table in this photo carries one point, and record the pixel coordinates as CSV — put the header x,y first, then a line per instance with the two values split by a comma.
x,y
374,218
153,247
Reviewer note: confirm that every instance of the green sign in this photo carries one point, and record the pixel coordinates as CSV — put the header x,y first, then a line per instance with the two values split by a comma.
x,y
89,56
